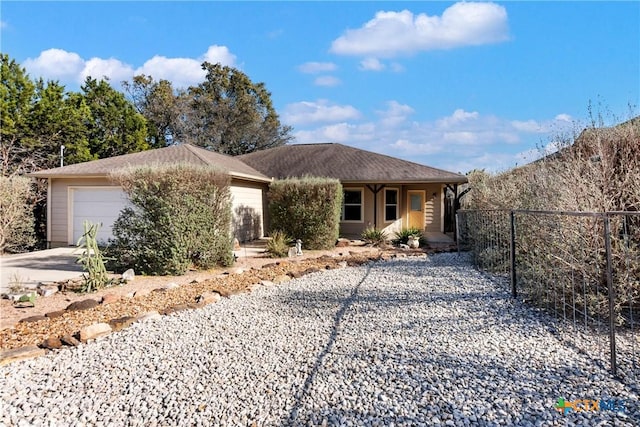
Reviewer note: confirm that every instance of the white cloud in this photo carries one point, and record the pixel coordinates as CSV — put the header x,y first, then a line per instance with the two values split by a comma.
x,y
397,67
391,34
317,67
219,54
459,116
564,118
371,64
328,81
71,67
55,64
459,142
111,68
395,114
307,112
530,126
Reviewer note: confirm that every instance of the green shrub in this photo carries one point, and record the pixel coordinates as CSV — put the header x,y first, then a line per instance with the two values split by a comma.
x,y
16,220
180,217
402,236
374,237
278,244
307,209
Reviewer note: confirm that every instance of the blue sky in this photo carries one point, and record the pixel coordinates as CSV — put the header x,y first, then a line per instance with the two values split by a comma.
x,y
452,85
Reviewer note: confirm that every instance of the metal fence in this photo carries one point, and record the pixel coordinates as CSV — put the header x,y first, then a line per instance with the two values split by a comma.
x,y
583,268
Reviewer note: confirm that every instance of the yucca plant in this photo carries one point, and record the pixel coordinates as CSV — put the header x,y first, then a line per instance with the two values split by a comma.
x,y
278,244
402,236
374,236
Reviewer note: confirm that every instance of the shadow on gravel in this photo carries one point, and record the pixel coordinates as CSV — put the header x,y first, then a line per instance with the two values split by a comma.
x,y
335,329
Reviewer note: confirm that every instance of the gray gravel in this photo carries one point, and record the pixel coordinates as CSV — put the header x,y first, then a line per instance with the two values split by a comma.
x,y
403,342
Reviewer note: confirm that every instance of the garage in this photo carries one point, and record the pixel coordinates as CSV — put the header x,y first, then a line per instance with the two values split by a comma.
x,y
100,205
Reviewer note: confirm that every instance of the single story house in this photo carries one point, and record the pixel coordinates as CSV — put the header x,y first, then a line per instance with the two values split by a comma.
x,y
83,191
379,191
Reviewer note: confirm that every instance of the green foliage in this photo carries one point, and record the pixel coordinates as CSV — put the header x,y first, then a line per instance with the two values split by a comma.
x,y
116,127
307,209
92,260
226,113
160,105
402,236
16,220
278,244
374,236
181,217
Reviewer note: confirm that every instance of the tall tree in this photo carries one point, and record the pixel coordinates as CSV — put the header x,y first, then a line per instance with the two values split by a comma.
x,y
159,104
230,114
16,100
58,119
116,127
227,113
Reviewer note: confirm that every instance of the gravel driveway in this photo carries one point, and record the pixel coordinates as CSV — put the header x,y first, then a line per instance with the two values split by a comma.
x,y
404,342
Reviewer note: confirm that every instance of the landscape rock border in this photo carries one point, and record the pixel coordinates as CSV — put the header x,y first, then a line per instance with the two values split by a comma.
x,y
268,275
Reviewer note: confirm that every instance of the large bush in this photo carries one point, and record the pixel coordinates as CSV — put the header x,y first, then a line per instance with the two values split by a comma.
x,y
16,220
307,209
180,217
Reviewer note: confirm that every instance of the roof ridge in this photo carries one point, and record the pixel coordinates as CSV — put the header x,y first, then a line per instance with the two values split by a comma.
x,y
398,158
194,150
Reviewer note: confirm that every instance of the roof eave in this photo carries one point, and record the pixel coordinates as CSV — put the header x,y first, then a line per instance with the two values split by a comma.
x,y
460,180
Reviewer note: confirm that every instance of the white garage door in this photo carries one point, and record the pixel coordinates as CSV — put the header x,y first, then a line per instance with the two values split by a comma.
x,y
100,205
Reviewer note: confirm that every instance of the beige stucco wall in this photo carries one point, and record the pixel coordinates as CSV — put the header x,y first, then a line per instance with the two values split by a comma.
x,y
58,206
434,209
247,205
247,200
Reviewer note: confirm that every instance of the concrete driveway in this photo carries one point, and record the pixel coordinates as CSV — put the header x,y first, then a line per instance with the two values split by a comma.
x,y
29,269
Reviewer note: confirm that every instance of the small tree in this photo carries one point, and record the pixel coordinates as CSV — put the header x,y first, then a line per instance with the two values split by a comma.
x,y
307,209
16,220
180,217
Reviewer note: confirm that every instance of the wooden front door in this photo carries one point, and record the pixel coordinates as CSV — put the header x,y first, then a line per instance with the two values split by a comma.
x,y
415,209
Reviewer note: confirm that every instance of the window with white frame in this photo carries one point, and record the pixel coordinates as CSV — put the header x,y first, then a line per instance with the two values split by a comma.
x,y
390,204
352,205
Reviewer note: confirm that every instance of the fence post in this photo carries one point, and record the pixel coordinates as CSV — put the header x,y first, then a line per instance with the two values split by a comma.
x,y
457,220
512,255
612,295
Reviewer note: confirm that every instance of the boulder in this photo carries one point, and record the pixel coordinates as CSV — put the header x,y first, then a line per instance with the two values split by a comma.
x,y
47,291
209,297
282,278
31,319
94,331
51,343
121,322
85,304
175,309
70,340
129,275
150,315
110,298
342,243
54,314
22,353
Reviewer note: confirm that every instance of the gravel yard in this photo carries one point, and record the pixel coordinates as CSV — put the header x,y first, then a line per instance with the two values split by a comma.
x,y
404,342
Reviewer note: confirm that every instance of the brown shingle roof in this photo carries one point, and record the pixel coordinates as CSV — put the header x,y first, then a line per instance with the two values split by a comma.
x,y
183,153
348,164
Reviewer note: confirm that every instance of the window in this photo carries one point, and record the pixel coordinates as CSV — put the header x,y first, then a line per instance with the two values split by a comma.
x,y
352,205
390,205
